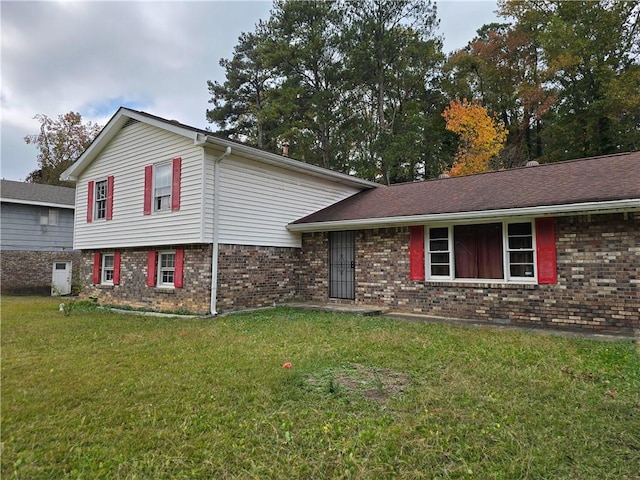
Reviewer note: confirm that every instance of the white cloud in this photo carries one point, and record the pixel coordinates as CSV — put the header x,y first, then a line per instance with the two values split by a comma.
x,y
92,57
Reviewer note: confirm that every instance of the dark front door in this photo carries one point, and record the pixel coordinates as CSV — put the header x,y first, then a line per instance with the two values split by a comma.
x,y
342,262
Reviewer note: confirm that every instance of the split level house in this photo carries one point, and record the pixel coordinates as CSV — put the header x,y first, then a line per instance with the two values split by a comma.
x,y
36,238
172,217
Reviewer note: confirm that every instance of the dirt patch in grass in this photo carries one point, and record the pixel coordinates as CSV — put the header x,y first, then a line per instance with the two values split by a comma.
x,y
378,384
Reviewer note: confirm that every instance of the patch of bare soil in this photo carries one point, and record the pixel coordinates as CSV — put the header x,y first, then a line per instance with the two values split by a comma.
x,y
378,384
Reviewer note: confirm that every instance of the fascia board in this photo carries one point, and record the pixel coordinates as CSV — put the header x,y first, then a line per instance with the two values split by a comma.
x,y
614,206
38,203
291,164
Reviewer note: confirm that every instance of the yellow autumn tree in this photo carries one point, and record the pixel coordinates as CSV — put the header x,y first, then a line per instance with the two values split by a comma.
x,y
481,136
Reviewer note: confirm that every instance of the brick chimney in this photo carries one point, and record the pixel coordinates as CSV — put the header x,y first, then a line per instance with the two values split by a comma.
x,y
285,149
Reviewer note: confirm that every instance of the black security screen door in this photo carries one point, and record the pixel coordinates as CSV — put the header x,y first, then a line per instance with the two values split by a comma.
x,y
341,265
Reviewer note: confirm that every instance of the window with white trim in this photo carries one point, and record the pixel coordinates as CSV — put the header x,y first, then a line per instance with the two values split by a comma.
x,y
498,251
100,208
162,187
439,253
107,269
166,269
520,251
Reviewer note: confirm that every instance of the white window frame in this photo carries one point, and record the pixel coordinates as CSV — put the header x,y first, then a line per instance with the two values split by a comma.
x,y
160,270
100,201
507,277
107,272
160,192
507,250
448,251
49,217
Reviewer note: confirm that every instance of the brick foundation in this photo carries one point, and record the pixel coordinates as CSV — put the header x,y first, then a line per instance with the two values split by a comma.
x,y
132,291
248,277
598,262
30,272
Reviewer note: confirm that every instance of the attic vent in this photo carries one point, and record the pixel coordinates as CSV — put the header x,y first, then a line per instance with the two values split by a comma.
x,y
532,163
443,175
131,121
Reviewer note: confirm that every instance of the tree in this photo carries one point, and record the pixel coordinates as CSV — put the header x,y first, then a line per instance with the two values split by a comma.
x,y
500,68
347,84
392,57
305,52
481,137
242,107
590,51
60,143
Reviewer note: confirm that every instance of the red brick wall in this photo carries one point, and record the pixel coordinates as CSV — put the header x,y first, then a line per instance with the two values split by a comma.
x,y
598,261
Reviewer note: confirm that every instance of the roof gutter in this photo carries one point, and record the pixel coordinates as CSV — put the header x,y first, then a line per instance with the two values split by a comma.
x,y
38,203
400,221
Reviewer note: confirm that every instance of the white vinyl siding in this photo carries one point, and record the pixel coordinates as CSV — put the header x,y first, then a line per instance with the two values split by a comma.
x,y
257,201
125,157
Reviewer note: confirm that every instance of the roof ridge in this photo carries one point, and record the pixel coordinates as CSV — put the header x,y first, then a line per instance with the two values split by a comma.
x,y
520,167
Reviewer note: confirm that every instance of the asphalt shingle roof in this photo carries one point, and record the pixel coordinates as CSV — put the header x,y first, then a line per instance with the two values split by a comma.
x,y
595,179
34,192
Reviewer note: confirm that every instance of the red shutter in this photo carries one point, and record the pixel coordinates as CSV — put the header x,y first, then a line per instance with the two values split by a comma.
x,y
178,279
151,268
175,183
416,253
96,267
148,185
116,268
109,197
546,250
90,189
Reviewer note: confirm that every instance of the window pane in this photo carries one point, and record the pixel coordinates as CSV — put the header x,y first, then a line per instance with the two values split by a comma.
x,y
521,270
519,229
101,190
107,261
167,276
439,233
167,260
61,266
163,203
163,176
53,216
521,257
442,258
439,245
516,243
440,270
478,251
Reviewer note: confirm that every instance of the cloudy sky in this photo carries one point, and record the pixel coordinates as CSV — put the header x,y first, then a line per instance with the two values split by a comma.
x,y
93,57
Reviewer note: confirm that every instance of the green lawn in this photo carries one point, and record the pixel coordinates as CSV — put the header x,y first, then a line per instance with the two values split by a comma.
x,y
102,395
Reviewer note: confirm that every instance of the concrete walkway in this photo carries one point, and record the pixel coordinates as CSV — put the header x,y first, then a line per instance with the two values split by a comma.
x,y
336,307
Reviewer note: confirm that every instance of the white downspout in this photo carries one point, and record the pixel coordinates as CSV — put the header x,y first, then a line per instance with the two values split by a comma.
x,y
214,245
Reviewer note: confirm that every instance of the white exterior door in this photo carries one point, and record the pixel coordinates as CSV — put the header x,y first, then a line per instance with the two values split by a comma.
x,y
61,279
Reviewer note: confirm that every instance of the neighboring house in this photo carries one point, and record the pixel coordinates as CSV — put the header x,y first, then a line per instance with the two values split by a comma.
x,y
36,238
171,217
553,245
